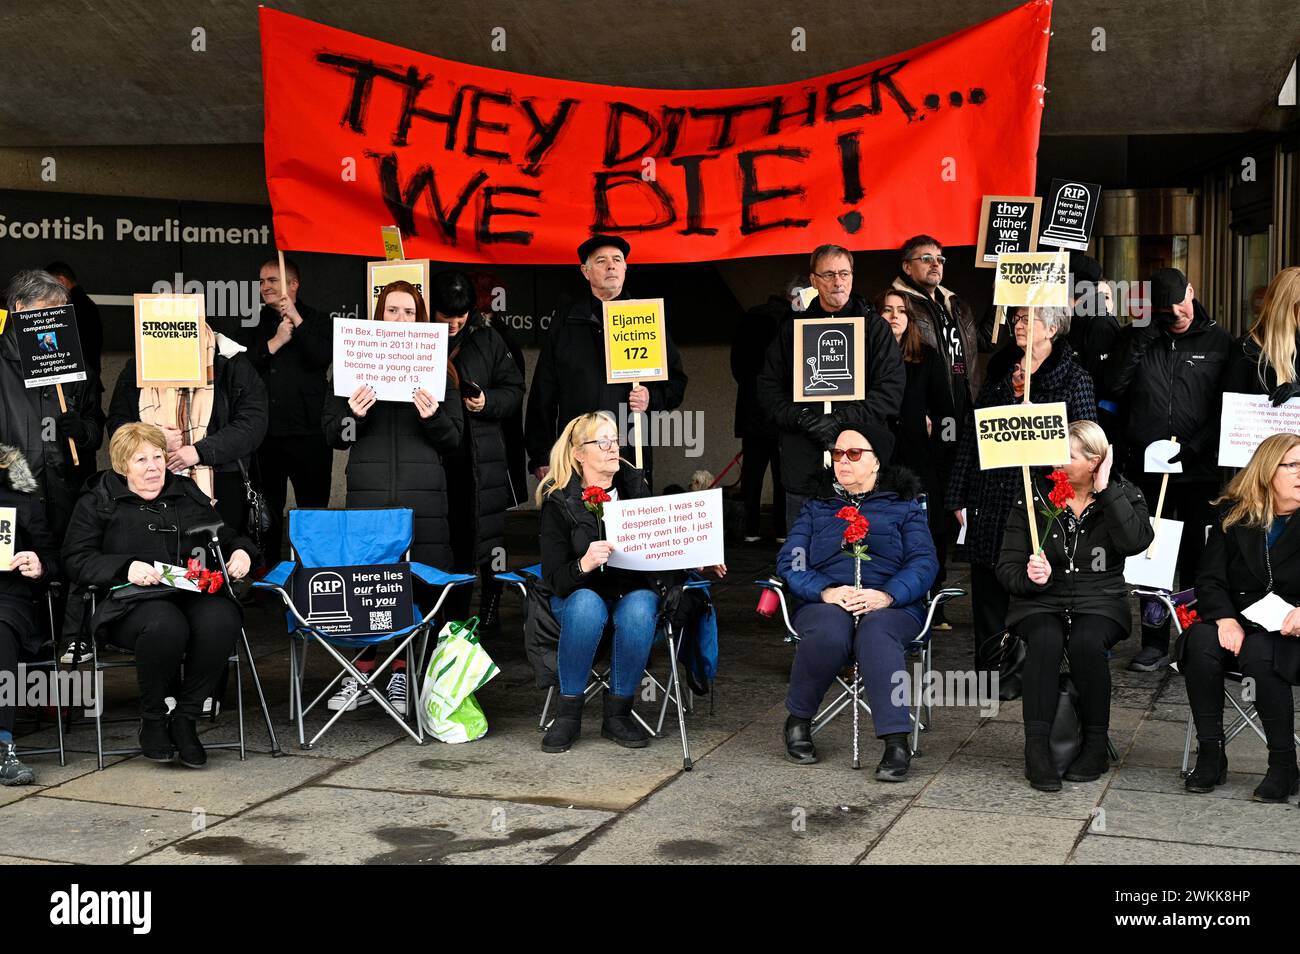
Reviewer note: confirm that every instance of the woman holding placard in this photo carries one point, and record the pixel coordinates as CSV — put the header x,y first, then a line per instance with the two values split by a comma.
x,y
983,499
395,452
130,532
1070,596
1247,616
1266,360
585,472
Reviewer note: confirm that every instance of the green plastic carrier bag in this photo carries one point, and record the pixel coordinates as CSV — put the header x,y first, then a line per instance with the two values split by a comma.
x,y
458,669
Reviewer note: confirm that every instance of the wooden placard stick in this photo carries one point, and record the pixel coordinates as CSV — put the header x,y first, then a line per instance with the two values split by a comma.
x,y
637,438
63,406
997,322
826,454
1024,470
1160,506
284,287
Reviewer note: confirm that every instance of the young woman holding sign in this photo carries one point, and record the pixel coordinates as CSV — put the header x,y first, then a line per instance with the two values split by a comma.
x,y
395,454
1266,360
1071,597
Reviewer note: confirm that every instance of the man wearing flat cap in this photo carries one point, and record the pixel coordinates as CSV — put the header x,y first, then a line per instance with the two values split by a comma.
x,y
1168,382
570,375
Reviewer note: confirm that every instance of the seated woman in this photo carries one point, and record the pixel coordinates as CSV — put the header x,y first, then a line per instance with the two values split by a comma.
x,y
1071,597
1253,549
586,593
874,623
129,518
36,558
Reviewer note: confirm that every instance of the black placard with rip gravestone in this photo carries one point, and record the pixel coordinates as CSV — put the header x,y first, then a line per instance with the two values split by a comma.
x,y
354,600
1069,211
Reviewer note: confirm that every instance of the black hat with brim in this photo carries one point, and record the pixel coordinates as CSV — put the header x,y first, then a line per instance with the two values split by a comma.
x,y
600,241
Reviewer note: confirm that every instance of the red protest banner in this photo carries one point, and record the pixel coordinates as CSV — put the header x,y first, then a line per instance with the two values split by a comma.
x,y
483,165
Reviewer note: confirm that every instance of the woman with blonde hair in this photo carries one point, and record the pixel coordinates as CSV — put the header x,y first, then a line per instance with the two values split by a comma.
x,y
1252,551
1069,597
1264,360
585,470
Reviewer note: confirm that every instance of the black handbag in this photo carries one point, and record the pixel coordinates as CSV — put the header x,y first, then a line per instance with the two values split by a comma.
x,y
1004,652
257,521
1066,738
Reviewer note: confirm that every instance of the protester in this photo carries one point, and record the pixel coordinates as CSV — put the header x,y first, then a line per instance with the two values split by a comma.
x,y
90,327
760,445
1253,551
926,410
873,622
211,431
131,518
492,389
1069,596
586,594
27,411
569,378
1095,334
291,346
395,452
1265,359
806,432
1169,378
34,563
987,496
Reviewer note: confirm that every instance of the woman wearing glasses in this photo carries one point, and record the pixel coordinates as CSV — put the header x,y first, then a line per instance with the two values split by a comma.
x,y
874,621
984,498
1252,553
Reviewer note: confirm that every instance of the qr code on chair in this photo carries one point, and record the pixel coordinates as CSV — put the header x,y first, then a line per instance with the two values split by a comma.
x,y
381,619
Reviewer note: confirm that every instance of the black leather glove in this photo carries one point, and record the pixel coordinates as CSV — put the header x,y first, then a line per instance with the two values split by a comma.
x,y
1285,392
822,429
70,425
1184,455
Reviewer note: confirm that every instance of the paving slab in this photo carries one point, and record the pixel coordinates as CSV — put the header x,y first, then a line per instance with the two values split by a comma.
x,y
1194,819
1094,850
725,812
1143,778
1160,744
15,860
946,836
973,783
321,825
57,829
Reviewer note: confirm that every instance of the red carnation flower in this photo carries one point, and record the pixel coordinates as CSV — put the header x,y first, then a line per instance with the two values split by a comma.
x,y
1186,617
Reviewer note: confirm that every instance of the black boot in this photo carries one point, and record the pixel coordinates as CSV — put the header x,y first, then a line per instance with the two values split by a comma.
x,y
566,727
1211,767
1038,759
1282,780
155,741
619,726
1010,689
898,756
185,736
1093,759
798,741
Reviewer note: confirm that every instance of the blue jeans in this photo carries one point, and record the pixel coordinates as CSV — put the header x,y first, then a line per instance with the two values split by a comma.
x,y
583,615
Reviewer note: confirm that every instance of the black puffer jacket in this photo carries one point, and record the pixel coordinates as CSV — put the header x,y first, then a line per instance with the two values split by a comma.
x,y
1172,386
18,594
23,415
395,460
801,456
238,422
989,495
481,356
112,527
295,374
1247,374
1087,555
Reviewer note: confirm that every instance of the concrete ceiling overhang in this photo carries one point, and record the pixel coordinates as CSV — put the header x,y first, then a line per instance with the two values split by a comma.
x,y
122,72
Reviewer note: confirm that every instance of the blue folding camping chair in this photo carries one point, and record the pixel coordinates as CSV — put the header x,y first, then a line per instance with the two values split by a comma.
x,y
355,538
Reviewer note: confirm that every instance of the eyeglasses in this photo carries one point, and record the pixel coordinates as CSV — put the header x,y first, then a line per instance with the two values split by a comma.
x,y
928,259
854,454
605,443
843,274
1023,319
1290,466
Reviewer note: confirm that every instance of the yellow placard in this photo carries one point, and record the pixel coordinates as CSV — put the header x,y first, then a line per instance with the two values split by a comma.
x,y
379,274
4,317
636,342
8,536
1013,435
1033,279
169,341
392,243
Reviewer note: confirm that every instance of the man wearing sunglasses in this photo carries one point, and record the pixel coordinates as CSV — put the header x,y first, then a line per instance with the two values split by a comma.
x,y
805,431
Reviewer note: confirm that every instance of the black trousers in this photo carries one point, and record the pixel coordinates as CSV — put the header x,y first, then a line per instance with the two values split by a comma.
x,y
462,519
1203,664
988,602
196,629
1086,640
1190,503
760,453
305,460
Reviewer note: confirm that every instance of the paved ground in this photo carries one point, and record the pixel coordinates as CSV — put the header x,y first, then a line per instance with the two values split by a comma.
x,y
367,794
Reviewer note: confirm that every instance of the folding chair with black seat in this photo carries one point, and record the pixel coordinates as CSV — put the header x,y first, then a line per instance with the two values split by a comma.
x,y
344,538
52,665
99,666
1246,717
526,581
851,694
